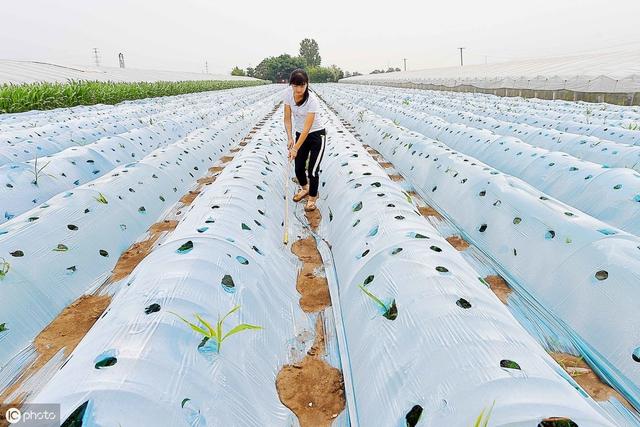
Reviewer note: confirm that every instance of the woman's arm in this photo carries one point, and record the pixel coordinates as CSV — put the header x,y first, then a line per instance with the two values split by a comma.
x,y
308,122
287,125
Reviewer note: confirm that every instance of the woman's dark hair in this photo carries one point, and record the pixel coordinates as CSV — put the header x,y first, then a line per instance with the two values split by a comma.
x,y
299,77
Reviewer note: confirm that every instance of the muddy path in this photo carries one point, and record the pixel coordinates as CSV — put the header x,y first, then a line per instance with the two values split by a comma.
x,y
311,387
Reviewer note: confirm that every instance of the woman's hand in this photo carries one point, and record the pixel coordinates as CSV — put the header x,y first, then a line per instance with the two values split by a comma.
x,y
293,152
290,143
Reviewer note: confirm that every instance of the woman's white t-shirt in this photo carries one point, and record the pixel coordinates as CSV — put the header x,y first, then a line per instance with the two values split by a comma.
x,y
299,113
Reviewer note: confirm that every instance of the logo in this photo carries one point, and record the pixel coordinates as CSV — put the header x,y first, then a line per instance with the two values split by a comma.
x,y
13,415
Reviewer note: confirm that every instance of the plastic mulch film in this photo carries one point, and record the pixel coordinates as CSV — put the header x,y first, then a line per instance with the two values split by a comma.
x,y
609,122
54,130
425,336
578,271
609,194
54,253
576,139
26,185
142,365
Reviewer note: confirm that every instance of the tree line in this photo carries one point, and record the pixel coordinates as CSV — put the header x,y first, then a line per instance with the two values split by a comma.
x,y
278,68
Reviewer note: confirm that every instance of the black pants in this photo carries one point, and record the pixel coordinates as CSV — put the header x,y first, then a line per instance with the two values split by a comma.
x,y
313,149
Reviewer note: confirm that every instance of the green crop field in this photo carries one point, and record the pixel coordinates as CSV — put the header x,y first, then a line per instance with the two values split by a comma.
x,y
47,96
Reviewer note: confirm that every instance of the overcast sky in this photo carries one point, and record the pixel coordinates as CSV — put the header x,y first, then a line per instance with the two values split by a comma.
x,y
355,35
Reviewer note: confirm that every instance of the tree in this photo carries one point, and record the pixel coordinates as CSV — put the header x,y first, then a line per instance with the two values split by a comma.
x,y
278,68
251,72
336,73
237,71
324,74
310,52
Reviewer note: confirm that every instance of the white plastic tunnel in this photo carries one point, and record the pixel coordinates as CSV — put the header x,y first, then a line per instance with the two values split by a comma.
x,y
443,347
142,365
539,243
68,245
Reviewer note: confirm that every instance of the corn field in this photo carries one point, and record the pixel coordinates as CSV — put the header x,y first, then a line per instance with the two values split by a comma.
x,y
47,96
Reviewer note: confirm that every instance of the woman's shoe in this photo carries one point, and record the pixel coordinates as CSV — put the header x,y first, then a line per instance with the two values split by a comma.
x,y
300,195
311,205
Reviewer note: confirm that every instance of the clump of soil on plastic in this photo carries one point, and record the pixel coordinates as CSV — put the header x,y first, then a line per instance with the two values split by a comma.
x,y
226,159
314,219
588,380
312,389
206,180
386,165
396,177
139,250
314,289
499,287
63,333
188,198
215,169
458,242
372,151
429,211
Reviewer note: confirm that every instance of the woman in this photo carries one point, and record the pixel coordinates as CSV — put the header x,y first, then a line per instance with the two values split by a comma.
x,y
310,135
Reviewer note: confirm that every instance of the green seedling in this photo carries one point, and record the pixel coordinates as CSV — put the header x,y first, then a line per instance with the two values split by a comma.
x,y
4,268
209,333
3,327
483,420
390,311
102,199
37,172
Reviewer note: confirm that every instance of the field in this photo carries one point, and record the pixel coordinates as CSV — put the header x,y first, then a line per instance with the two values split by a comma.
x,y
474,261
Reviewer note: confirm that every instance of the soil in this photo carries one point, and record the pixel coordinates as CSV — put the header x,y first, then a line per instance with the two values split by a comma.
x,y
386,165
206,180
129,260
314,219
312,389
458,242
588,380
314,289
499,287
188,198
64,333
396,177
429,211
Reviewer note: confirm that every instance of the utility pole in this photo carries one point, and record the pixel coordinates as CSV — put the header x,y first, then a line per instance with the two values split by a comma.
x,y
405,63
461,63
96,57
121,59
